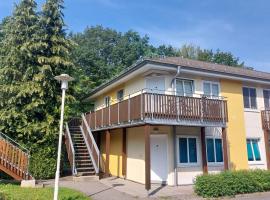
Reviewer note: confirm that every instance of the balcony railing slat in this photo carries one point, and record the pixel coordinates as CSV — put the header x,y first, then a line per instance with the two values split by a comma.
x,y
266,119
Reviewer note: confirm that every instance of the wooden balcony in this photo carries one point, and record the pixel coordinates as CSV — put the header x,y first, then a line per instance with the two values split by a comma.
x,y
160,109
266,119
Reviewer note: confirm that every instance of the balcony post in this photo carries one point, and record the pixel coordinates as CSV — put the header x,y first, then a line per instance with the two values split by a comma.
x,y
225,149
102,117
107,164
267,150
147,157
95,120
90,115
109,113
118,113
124,153
142,104
129,108
204,156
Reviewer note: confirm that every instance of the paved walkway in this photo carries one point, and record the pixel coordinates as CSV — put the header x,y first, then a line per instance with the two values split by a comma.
x,y
118,189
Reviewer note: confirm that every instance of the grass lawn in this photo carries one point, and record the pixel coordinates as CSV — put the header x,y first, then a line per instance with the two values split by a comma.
x,y
15,192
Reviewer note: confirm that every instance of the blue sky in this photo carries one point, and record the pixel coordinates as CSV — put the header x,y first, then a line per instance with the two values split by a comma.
x,y
239,26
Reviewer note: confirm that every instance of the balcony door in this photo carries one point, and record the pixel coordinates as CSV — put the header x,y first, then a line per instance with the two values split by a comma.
x,y
155,84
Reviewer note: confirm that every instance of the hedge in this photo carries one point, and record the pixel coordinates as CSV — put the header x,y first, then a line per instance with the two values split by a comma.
x,y
231,183
43,163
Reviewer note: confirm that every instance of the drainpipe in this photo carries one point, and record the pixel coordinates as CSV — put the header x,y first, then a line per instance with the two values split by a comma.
x,y
176,75
174,131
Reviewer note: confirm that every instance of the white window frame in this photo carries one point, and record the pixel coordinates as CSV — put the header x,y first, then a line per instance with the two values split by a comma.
x,y
211,82
188,164
250,109
256,162
105,101
185,79
265,89
214,163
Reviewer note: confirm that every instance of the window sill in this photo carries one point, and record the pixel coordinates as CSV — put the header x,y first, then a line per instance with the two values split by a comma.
x,y
188,165
252,110
215,164
256,163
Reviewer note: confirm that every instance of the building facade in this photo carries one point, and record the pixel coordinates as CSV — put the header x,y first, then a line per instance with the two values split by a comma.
x,y
168,120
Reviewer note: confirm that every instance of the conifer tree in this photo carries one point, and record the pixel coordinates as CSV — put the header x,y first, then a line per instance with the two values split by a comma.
x,y
20,94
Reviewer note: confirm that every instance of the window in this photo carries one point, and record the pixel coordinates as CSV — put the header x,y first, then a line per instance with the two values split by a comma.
x,y
184,87
266,96
250,98
120,95
107,101
211,89
187,150
253,150
214,150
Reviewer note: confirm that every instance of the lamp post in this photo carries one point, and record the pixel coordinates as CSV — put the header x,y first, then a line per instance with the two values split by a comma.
x,y
64,79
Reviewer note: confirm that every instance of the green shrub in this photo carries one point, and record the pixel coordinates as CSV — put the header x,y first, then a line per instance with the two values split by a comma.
x,y
43,163
231,183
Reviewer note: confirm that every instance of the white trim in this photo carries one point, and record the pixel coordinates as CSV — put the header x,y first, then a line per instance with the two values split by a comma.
x,y
255,162
214,140
188,164
217,75
185,79
109,101
211,84
249,109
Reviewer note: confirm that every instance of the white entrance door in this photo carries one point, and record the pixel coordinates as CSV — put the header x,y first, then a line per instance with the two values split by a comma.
x,y
158,156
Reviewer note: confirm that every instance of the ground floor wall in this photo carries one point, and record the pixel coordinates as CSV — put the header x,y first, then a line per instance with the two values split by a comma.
x,y
115,157
254,131
176,172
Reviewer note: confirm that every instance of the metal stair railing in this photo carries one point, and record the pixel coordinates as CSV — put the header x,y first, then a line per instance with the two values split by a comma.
x,y
70,151
91,144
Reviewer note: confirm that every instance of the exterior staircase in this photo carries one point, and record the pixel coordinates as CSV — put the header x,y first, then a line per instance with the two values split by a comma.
x,y
82,150
83,162
14,159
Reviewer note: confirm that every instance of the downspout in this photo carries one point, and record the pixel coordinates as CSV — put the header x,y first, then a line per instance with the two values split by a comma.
x,y
176,75
173,84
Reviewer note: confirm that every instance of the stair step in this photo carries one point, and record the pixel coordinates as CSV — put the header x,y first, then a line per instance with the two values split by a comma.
x,y
83,161
86,173
86,165
79,169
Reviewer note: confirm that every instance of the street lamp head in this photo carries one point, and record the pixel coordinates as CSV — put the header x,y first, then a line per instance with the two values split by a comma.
x,y
64,78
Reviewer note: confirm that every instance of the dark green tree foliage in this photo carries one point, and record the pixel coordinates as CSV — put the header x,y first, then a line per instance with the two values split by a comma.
x,y
195,52
20,95
103,52
35,49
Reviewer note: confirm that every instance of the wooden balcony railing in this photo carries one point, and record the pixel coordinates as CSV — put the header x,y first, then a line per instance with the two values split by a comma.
x,y
14,159
160,108
266,119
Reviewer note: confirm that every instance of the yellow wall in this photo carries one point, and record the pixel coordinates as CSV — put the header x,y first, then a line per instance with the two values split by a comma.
x,y
115,163
136,154
130,87
236,133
